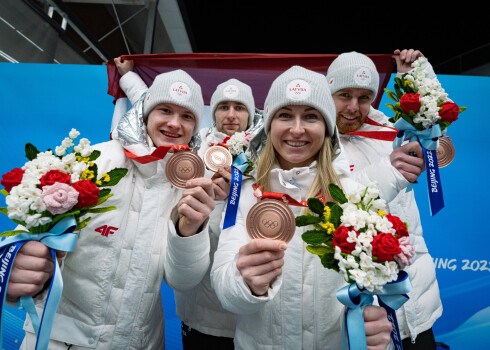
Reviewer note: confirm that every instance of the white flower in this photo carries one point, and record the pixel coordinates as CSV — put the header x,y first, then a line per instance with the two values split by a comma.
x,y
60,151
36,220
67,142
73,134
84,148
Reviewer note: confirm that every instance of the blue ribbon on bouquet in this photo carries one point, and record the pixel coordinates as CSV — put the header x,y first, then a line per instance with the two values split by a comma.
x,y
429,141
60,237
240,164
391,297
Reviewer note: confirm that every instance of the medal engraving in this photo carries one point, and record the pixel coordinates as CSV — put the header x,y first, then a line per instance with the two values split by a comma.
x,y
445,152
217,157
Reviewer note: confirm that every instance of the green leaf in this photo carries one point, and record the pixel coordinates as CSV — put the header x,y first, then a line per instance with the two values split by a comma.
x,y
104,192
95,169
392,95
319,250
95,154
399,92
329,262
31,151
4,192
61,216
12,233
115,175
443,124
316,205
4,211
462,109
390,106
101,210
305,220
335,214
83,223
105,198
337,193
314,237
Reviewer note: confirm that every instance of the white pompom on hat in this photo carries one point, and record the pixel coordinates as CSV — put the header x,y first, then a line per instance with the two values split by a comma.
x,y
175,87
236,91
353,70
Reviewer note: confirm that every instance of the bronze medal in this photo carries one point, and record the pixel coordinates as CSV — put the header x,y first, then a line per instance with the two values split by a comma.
x,y
217,157
445,152
183,166
271,219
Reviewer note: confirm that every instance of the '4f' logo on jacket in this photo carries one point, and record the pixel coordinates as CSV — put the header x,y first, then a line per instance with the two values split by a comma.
x,y
106,230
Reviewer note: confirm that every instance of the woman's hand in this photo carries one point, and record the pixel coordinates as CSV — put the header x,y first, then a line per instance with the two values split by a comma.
x,y
377,327
260,262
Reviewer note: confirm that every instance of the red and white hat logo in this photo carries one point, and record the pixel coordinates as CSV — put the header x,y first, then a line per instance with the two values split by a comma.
x,y
231,91
180,91
363,76
298,90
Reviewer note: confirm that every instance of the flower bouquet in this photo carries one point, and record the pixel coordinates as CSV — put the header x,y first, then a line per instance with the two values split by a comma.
x,y
367,246
423,113
50,197
237,145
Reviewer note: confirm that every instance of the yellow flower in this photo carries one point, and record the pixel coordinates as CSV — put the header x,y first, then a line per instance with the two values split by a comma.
x,y
87,174
381,213
329,227
326,212
98,182
106,177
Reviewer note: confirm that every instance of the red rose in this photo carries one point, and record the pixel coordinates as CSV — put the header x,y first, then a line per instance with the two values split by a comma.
x,y
12,179
340,239
410,102
449,112
398,225
53,176
87,193
385,247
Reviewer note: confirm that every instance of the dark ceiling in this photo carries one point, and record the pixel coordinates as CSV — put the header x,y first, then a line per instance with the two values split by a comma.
x,y
456,39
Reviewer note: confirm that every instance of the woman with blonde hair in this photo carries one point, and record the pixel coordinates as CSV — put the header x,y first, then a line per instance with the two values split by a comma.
x,y
282,295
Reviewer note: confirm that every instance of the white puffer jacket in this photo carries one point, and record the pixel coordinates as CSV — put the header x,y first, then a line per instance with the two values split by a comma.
x,y
369,160
196,305
111,297
301,310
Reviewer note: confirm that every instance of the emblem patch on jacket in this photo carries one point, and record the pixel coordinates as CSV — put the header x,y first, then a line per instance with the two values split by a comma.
x,y
106,230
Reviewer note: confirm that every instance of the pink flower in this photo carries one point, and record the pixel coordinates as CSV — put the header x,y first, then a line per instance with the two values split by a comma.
x,y
59,197
405,257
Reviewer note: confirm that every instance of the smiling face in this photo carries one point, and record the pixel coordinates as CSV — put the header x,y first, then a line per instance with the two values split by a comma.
x,y
297,134
170,124
352,105
231,117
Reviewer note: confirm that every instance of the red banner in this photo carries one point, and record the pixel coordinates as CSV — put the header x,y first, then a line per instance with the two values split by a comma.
x,y
256,70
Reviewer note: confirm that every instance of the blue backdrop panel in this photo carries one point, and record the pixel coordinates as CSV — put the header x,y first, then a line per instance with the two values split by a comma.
x,y
41,103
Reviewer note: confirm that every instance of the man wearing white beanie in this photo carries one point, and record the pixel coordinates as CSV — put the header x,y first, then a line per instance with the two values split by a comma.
x,y
205,324
354,83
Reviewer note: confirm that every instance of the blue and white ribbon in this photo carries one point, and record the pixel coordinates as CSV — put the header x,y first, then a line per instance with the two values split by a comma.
x,y
60,237
429,141
240,164
392,297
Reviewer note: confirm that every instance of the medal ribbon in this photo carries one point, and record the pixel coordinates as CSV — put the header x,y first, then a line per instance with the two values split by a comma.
x,y
391,297
378,135
157,154
239,165
284,197
429,141
60,237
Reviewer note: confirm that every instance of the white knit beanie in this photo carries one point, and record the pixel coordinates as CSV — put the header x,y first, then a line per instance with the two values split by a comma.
x,y
176,87
353,70
236,91
301,86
